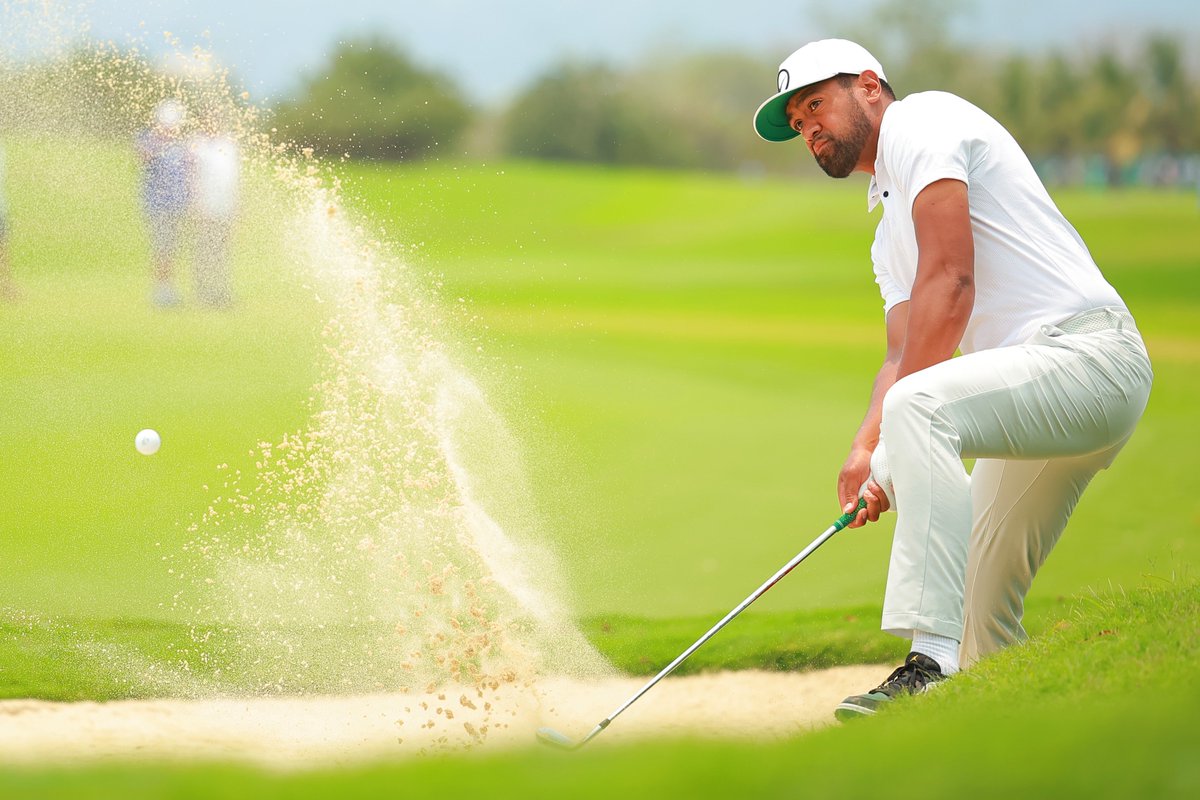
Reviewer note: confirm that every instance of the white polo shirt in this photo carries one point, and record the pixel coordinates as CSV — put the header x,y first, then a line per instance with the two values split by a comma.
x,y
215,176
1031,267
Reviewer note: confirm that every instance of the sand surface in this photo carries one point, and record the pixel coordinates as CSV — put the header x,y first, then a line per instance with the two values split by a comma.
x,y
309,732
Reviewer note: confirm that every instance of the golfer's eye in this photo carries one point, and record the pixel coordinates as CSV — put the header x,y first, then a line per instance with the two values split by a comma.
x,y
797,125
812,105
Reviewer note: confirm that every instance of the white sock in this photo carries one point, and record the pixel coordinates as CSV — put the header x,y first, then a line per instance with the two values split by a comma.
x,y
941,649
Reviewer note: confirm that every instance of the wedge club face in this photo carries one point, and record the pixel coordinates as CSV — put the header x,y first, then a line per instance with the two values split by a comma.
x,y
555,739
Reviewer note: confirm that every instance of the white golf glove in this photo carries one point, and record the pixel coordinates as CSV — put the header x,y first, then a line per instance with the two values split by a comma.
x,y
881,473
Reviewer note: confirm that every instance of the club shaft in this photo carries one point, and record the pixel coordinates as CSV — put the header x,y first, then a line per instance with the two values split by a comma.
x,y
759,592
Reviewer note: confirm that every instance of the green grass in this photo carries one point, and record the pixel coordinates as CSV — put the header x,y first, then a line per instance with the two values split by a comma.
x,y
683,359
70,659
82,659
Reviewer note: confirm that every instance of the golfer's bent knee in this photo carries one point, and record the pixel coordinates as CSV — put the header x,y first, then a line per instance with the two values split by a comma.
x,y
906,404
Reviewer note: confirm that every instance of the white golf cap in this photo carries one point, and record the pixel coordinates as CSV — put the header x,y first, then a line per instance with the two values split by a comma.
x,y
813,63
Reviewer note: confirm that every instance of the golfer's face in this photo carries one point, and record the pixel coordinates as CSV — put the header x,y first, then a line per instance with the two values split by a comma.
x,y
833,125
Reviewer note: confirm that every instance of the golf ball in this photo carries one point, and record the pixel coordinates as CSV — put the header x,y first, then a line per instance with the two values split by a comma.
x,y
147,442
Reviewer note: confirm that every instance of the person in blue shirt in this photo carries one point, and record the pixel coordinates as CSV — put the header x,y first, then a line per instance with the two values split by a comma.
x,y
166,169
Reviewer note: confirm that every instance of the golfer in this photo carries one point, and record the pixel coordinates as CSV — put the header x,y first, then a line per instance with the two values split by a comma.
x,y
970,255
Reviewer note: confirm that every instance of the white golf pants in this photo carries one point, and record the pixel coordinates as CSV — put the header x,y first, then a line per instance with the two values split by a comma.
x,y
1041,418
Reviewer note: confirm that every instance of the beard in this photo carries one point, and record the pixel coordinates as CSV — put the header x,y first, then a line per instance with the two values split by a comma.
x,y
841,154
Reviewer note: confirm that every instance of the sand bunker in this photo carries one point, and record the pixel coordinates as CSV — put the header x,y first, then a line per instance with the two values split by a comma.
x,y
311,732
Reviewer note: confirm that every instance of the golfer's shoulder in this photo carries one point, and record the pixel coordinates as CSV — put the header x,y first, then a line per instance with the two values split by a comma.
x,y
932,120
931,110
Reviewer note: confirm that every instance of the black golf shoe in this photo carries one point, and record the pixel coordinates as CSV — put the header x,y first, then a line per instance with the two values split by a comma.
x,y
916,676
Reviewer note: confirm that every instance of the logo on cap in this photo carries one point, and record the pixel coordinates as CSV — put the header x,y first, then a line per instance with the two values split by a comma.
x,y
784,80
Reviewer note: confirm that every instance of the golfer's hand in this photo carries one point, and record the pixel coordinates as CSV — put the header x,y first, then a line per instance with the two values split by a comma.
x,y
853,474
877,503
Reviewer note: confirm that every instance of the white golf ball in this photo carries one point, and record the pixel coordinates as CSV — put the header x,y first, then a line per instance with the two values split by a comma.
x,y
147,442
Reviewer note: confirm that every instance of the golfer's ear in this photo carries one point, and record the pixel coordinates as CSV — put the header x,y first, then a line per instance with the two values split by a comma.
x,y
869,81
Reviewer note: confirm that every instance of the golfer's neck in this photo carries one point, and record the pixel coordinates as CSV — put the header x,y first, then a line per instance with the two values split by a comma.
x,y
866,161
870,151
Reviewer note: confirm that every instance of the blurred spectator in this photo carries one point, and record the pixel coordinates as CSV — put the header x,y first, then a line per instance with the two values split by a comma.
x,y
216,168
8,287
166,171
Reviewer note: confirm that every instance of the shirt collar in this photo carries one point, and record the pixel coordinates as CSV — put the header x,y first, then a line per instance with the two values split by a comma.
x,y
874,191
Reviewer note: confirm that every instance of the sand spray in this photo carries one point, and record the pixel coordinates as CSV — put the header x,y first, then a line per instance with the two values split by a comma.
x,y
363,552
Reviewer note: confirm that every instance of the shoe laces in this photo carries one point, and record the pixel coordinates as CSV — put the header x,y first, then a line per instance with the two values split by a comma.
x,y
912,677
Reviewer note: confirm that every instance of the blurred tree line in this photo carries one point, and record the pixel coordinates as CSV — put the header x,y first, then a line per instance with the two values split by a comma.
x,y
1114,106
372,101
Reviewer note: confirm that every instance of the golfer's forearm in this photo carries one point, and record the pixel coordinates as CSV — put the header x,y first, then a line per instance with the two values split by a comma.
x,y
868,433
897,324
938,316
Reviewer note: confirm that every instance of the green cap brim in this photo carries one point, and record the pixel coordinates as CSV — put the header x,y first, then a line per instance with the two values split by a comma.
x,y
771,122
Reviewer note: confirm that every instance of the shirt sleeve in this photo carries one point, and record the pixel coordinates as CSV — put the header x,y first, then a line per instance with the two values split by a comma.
x,y
889,289
928,147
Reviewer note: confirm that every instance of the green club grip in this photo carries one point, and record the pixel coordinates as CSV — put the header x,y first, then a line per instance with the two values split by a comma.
x,y
847,518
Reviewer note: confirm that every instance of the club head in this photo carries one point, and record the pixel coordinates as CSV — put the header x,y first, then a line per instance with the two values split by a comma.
x,y
555,739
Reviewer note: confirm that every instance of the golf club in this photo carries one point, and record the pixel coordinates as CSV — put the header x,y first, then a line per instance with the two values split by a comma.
x,y
556,739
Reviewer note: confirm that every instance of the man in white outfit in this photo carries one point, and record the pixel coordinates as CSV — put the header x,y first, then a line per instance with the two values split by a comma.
x,y
970,255
216,175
